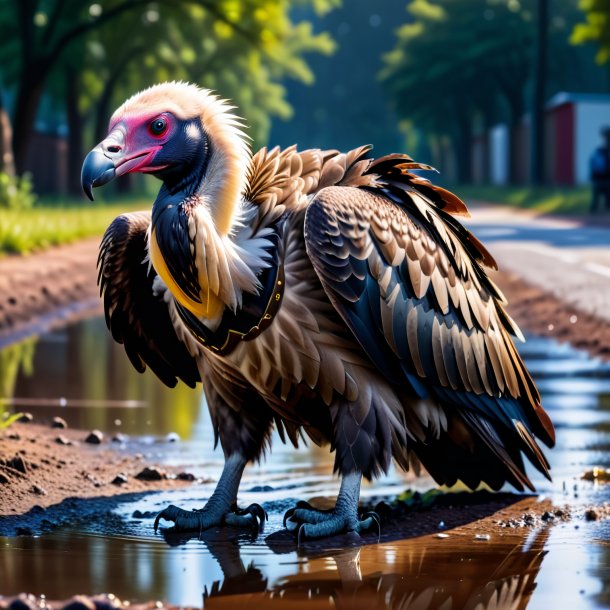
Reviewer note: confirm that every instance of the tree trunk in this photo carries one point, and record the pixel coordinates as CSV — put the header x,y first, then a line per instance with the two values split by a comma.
x,y
537,161
75,131
28,99
513,127
463,147
7,161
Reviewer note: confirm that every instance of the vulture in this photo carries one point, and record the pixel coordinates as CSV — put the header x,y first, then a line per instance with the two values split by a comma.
x,y
333,296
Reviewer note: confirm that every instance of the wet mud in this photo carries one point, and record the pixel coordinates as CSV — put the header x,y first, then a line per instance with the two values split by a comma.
x,y
457,551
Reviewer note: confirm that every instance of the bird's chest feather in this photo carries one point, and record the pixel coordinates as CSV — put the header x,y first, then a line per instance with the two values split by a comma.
x,y
307,349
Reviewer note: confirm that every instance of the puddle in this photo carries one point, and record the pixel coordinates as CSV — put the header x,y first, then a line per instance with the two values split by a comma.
x,y
560,566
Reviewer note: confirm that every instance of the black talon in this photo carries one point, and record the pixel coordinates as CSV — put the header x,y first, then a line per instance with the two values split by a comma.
x,y
169,513
288,514
258,511
259,514
375,517
299,504
300,534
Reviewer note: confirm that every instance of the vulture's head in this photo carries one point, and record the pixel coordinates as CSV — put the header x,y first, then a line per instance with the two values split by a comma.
x,y
184,135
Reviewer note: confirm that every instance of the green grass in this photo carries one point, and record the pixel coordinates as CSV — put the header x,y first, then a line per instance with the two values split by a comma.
x,y
546,200
54,222
44,225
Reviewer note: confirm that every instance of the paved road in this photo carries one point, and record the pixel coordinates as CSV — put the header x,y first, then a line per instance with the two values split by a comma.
x,y
563,256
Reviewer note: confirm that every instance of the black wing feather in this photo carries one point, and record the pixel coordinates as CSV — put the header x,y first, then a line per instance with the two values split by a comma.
x,y
135,316
381,278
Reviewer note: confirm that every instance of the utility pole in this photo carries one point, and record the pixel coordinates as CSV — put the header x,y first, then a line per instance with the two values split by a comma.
x,y
537,160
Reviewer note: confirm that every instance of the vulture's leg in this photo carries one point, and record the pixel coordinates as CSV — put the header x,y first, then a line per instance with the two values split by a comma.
x,y
312,523
221,507
242,433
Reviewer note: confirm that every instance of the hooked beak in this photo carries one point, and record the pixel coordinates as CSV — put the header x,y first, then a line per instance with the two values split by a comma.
x,y
97,169
109,159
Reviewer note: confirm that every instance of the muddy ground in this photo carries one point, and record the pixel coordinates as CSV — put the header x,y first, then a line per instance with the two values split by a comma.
x,y
42,467
47,289
58,285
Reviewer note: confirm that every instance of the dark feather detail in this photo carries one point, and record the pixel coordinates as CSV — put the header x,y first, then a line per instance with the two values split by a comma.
x,y
171,226
135,316
408,280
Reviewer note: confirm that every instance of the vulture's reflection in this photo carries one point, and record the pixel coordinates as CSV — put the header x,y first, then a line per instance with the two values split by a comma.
x,y
416,574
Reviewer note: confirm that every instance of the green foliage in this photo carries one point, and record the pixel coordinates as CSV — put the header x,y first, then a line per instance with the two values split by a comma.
x,y
412,499
27,230
462,64
13,359
546,200
596,27
459,61
16,192
108,51
7,419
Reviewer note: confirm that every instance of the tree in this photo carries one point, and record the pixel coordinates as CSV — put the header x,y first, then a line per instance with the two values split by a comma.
x,y
39,33
596,28
453,63
459,63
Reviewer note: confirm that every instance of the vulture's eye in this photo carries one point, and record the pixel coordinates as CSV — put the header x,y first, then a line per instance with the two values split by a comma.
x,y
158,127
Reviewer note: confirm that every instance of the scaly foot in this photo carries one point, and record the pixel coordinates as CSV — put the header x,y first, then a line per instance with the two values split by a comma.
x,y
253,517
308,522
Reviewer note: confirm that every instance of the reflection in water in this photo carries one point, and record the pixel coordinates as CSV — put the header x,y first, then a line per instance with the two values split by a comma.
x,y
415,574
15,360
81,363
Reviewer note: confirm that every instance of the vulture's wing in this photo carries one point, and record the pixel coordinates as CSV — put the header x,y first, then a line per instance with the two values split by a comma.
x,y
137,317
409,281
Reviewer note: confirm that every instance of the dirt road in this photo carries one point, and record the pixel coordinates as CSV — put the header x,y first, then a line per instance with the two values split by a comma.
x,y
553,271
40,290
566,258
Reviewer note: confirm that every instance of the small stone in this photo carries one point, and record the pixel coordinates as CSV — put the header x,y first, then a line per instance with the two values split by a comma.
x,y
119,437
151,474
79,602
120,479
106,602
24,602
529,519
263,488
172,437
185,476
95,437
3,479
591,514
147,514
59,422
482,537
26,418
23,531
14,436
441,535
89,477
16,463
39,491
62,440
